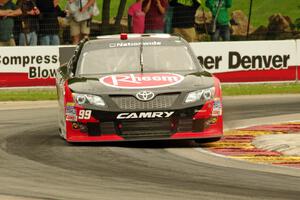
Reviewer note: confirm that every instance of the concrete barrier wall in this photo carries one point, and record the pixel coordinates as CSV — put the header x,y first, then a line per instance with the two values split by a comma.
x,y
231,62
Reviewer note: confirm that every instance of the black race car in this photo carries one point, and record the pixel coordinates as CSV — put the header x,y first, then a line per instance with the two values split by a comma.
x,y
137,87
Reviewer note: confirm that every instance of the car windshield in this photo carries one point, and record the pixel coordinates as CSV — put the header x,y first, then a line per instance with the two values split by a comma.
x,y
120,60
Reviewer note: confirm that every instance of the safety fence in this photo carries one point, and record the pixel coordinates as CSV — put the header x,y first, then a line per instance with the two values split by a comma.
x,y
268,20
231,62
277,28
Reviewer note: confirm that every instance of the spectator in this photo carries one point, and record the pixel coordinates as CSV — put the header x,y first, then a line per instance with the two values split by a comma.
x,y
136,18
155,11
8,10
169,18
28,22
49,26
81,13
219,9
184,18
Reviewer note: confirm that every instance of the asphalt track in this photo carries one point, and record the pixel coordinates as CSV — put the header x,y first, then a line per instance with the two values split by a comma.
x,y
36,164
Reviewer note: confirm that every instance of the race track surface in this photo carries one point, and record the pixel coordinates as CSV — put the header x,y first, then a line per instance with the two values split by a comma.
x,y
36,164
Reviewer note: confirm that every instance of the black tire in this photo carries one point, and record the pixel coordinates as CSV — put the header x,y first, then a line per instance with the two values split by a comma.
x,y
207,140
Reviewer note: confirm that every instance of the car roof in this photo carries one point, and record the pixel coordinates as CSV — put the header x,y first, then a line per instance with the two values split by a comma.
x,y
133,37
130,36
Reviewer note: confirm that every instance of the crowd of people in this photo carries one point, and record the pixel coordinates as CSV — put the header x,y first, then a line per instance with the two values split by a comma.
x,y
178,17
35,22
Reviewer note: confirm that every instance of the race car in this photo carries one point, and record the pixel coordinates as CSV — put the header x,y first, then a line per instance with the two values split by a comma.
x,y
137,87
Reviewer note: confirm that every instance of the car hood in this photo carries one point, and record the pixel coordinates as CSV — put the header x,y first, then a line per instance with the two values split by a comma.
x,y
130,83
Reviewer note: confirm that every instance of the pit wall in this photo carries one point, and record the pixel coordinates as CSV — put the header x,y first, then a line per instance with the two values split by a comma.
x,y
231,62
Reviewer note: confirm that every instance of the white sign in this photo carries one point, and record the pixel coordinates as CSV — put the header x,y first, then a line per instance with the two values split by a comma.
x,y
221,57
298,52
38,61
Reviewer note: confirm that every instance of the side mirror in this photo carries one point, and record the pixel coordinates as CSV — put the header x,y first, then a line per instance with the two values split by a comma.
x,y
71,67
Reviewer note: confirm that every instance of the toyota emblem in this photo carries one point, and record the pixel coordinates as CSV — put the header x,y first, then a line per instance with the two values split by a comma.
x,y
145,95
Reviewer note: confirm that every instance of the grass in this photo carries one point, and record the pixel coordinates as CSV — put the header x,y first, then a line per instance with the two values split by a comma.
x,y
27,94
261,89
228,90
261,9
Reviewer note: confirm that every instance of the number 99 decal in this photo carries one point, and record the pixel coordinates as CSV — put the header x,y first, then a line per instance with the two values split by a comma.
x,y
84,114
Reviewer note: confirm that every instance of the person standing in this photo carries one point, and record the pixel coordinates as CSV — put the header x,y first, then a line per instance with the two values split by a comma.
x,y
8,10
136,18
183,22
81,13
49,26
155,11
168,18
219,9
28,22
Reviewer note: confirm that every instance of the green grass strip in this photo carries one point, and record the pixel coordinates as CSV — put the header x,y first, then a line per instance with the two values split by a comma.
x,y
28,95
228,90
260,89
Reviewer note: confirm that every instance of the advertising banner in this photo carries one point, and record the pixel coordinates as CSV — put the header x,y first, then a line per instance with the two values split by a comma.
x,y
255,61
231,62
28,66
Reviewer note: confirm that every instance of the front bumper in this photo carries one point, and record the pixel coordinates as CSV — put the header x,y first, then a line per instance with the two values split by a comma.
x,y
189,123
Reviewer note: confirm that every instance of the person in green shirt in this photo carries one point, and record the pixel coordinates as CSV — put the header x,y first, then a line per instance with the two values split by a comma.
x,y
8,10
219,9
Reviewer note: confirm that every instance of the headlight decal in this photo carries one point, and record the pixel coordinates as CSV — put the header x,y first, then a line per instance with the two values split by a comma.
x,y
194,96
82,99
205,95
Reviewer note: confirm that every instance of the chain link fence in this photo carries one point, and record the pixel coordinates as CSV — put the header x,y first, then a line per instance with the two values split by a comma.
x,y
269,20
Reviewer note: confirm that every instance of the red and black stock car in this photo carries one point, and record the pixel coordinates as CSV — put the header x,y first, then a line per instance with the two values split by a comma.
x,y
137,87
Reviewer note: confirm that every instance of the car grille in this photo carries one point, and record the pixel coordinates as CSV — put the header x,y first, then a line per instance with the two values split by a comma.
x,y
146,129
107,127
188,125
185,125
131,103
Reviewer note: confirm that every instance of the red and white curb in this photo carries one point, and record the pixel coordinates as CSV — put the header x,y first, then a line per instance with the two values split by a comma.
x,y
238,144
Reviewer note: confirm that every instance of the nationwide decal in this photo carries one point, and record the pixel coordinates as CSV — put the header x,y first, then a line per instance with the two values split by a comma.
x,y
141,81
134,44
145,115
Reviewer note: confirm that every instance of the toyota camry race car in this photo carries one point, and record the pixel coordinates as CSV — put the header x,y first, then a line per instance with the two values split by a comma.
x,y
137,87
